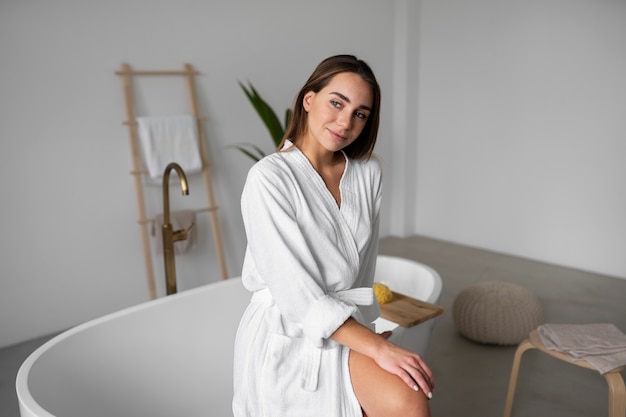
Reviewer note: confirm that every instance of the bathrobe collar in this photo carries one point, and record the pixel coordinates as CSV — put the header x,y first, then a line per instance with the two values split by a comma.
x,y
342,213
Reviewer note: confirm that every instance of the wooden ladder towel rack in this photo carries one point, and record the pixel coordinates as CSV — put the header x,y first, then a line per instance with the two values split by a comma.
x,y
127,74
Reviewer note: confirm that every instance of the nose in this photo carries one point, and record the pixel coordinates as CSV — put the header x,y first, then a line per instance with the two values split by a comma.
x,y
344,119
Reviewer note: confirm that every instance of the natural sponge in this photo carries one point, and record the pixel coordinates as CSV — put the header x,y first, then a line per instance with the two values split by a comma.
x,y
382,292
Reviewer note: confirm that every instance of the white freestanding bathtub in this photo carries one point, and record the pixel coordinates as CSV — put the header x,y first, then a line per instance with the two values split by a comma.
x,y
172,356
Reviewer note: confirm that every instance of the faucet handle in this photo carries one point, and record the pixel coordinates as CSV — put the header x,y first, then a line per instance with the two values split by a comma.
x,y
181,234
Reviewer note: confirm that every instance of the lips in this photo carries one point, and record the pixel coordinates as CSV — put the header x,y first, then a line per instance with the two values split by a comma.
x,y
336,135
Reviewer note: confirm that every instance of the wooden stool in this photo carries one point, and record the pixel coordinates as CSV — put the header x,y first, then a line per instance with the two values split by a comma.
x,y
617,390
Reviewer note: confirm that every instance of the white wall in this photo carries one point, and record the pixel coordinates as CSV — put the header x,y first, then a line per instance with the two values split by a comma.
x,y
71,248
522,129
502,128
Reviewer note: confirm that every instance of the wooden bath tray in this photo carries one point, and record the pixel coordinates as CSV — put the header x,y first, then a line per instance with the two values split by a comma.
x,y
408,311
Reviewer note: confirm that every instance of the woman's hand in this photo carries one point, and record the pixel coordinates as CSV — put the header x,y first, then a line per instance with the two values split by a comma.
x,y
407,365
394,359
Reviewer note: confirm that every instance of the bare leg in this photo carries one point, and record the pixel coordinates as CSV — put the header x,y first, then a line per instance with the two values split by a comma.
x,y
382,394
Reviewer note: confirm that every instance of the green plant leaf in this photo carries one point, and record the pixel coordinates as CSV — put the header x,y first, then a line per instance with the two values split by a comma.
x,y
265,112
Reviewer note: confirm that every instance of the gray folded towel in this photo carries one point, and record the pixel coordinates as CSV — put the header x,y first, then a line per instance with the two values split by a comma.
x,y
601,344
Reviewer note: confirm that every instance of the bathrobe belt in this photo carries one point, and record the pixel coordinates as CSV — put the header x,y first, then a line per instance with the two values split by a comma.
x,y
312,355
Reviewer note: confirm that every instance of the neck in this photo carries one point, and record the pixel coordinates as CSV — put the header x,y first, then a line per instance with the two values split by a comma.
x,y
320,158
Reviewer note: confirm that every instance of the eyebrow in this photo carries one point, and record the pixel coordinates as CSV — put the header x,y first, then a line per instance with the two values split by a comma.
x,y
346,99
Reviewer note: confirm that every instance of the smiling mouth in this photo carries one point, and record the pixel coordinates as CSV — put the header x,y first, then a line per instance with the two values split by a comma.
x,y
336,135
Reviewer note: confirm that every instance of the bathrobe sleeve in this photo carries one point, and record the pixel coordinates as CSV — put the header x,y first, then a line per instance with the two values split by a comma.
x,y
282,257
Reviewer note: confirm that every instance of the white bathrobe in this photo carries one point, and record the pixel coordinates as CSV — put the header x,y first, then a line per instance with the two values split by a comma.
x,y
310,265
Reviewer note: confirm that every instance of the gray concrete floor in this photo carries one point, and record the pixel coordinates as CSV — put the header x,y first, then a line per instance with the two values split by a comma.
x,y
472,379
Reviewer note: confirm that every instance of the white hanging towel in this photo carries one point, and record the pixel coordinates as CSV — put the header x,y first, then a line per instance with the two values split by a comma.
x,y
169,139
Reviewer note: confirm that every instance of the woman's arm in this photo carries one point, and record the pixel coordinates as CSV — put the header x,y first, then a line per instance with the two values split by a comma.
x,y
408,365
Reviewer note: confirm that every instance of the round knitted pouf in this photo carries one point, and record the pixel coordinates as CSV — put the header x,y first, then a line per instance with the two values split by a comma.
x,y
496,312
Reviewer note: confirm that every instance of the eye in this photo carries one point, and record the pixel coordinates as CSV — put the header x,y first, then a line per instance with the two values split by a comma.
x,y
361,115
335,104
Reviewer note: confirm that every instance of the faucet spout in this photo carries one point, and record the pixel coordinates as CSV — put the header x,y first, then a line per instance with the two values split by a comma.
x,y
169,235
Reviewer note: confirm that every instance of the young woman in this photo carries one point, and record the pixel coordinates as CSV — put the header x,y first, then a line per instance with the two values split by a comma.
x,y
305,345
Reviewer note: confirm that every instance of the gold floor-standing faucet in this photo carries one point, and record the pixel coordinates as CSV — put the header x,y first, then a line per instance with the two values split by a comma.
x,y
170,236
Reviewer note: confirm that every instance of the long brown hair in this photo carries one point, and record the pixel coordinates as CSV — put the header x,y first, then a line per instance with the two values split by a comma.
x,y
363,146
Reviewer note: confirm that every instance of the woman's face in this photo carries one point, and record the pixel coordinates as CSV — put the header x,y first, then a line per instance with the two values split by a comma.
x,y
338,113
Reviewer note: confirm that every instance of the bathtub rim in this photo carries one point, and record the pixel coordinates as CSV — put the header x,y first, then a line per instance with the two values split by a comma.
x,y
24,396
